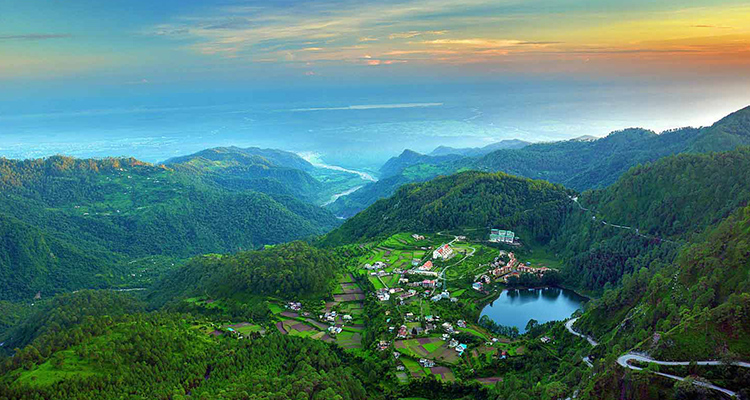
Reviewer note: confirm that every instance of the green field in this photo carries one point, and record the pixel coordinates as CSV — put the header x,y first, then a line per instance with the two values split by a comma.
x,y
67,366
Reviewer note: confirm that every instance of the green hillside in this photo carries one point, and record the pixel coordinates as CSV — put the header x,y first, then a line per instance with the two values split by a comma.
x,y
273,172
467,199
69,223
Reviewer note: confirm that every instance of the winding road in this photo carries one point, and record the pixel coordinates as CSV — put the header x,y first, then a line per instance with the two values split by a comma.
x,y
624,361
569,327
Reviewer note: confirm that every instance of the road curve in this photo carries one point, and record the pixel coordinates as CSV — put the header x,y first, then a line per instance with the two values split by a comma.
x,y
569,327
624,361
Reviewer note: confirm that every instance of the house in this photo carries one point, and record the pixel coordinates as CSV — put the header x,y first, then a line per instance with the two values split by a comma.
x,y
399,368
417,330
415,262
426,363
461,348
376,265
347,317
453,343
448,327
502,236
428,283
334,330
445,336
426,266
443,252
396,354
402,332
403,281
382,345
409,316
423,272
461,238
383,294
545,339
395,290
408,294
417,237
503,354
477,286
429,318
461,323
295,306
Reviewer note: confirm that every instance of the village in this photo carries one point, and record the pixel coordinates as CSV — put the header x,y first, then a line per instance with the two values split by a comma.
x,y
426,293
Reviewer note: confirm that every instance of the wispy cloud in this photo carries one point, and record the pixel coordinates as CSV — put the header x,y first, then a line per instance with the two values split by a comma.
x,y
431,32
35,36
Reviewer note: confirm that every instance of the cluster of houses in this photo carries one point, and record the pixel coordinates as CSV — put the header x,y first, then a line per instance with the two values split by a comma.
x,y
499,269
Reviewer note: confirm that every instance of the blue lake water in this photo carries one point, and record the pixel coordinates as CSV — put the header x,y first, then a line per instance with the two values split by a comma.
x,y
515,307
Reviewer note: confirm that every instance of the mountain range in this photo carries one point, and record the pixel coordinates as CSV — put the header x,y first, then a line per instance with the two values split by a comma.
x,y
577,164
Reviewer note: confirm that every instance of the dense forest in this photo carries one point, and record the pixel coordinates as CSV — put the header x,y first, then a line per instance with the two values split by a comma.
x,y
167,356
649,213
289,271
470,199
69,223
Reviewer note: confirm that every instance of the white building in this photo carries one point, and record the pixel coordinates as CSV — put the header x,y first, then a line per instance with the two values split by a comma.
x,y
444,252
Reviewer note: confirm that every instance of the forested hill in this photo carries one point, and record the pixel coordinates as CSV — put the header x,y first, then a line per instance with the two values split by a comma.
x,y
649,214
396,165
290,271
269,171
276,157
479,151
585,165
469,199
692,307
577,164
69,223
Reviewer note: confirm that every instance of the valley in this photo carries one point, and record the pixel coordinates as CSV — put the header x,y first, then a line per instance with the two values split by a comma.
x,y
166,280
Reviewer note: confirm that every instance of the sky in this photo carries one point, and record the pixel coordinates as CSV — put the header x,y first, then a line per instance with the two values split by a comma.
x,y
658,64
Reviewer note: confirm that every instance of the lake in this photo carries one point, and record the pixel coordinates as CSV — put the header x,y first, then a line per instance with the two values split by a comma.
x,y
515,307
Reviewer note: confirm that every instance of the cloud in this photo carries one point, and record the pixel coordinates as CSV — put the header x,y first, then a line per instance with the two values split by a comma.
x,y
35,36
411,34
710,26
143,81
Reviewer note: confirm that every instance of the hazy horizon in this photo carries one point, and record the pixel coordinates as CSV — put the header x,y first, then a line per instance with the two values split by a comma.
x,y
351,128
